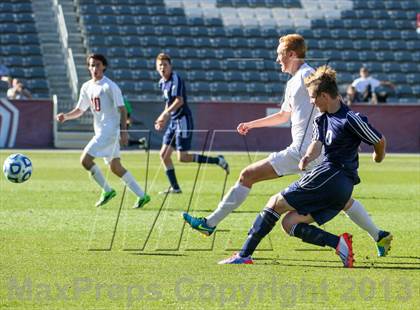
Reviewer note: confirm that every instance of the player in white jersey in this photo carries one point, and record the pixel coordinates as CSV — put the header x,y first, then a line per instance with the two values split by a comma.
x,y
297,108
106,103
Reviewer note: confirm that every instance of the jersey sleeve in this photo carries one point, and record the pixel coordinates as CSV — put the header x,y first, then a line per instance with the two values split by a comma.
x,y
360,126
317,132
374,83
177,86
117,97
84,100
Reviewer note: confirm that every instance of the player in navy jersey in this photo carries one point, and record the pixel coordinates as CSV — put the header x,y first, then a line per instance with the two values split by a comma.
x,y
178,134
324,191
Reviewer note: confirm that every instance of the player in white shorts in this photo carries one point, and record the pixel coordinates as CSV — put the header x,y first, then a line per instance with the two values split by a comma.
x,y
297,108
106,103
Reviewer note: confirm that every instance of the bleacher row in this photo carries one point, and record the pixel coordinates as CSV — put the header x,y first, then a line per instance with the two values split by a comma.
x,y
20,49
225,49
237,62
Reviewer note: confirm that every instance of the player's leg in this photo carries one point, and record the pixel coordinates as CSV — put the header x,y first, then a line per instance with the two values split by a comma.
x,y
168,145
220,160
357,213
322,194
165,156
259,171
263,224
88,163
129,180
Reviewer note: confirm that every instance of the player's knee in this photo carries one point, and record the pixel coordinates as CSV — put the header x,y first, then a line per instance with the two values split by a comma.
x,y
286,224
246,177
182,157
348,204
277,203
115,165
86,162
163,154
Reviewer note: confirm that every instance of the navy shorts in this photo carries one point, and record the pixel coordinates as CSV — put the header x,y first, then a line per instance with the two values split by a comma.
x,y
322,193
179,133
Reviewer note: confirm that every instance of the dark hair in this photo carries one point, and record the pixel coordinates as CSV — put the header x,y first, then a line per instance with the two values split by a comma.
x,y
99,57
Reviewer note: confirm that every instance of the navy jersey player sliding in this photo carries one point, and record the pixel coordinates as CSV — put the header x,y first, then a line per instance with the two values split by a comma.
x,y
178,135
323,192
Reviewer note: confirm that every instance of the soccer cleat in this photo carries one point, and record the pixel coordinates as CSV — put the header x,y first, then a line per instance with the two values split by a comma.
x,y
223,163
198,223
141,201
384,243
345,250
105,197
237,259
171,190
143,144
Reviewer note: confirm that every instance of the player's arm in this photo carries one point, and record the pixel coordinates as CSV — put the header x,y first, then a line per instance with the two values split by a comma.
x,y
313,151
123,125
378,154
268,121
368,134
73,114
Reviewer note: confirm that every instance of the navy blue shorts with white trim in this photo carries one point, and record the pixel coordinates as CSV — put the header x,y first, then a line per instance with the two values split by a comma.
x,y
179,133
322,193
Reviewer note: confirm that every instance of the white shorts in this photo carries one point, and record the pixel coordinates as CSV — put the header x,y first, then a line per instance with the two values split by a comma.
x,y
107,147
286,162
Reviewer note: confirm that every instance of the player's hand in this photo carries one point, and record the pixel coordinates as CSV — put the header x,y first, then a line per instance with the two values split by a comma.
x,y
303,162
124,138
60,117
159,124
243,128
377,158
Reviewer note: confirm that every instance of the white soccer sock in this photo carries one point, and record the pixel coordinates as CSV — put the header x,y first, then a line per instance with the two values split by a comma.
x,y
132,184
358,215
232,200
97,175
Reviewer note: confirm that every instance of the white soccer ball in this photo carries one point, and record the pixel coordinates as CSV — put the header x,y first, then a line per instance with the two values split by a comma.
x,y
17,168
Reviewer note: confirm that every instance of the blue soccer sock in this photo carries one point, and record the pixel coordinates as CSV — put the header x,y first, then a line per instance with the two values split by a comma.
x,y
263,224
170,173
205,159
314,235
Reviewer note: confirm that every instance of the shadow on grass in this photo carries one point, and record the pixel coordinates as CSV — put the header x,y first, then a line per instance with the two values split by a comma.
x,y
412,257
358,265
156,254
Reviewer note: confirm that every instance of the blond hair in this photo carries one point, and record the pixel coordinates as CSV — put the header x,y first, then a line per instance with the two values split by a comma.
x,y
323,80
163,56
294,42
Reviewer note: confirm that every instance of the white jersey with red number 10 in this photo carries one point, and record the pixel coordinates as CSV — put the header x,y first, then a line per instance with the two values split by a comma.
x,y
103,97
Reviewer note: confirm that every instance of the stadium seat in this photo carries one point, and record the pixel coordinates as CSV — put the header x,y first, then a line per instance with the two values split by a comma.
x,y
413,45
390,67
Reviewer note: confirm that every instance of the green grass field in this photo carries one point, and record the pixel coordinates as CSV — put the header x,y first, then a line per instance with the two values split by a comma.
x,y
60,252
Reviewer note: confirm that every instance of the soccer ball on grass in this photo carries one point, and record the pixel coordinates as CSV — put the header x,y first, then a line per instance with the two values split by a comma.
x,y
17,168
